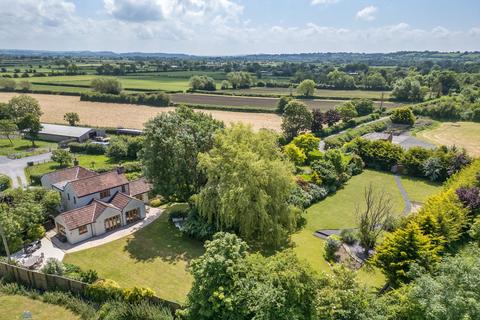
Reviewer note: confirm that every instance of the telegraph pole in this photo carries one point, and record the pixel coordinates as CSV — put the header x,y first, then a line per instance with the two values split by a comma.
x,y
5,244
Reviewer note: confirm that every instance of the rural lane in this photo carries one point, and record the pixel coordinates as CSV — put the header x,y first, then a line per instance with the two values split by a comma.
x,y
15,168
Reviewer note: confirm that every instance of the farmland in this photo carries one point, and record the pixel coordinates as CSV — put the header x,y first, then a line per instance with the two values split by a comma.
x,y
130,116
461,134
326,93
268,104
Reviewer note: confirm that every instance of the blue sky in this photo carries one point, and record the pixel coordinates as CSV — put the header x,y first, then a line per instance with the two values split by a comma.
x,y
217,27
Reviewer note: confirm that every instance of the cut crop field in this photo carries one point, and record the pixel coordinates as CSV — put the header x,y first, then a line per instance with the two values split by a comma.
x,y
129,116
344,94
255,102
460,134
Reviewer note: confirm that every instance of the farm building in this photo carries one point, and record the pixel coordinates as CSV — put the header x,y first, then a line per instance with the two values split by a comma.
x,y
57,133
404,141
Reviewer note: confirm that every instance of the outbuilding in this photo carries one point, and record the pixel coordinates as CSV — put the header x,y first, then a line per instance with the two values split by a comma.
x,y
57,133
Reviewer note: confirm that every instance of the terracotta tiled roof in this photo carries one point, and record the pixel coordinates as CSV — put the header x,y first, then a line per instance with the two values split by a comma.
x,y
85,215
108,180
69,174
139,186
120,200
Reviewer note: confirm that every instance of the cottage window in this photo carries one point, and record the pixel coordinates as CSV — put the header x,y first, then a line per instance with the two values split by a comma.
x,y
133,215
104,194
60,229
68,196
123,188
74,200
82,230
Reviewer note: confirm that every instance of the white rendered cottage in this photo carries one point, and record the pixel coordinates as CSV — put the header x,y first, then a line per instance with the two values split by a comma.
x,y
95,203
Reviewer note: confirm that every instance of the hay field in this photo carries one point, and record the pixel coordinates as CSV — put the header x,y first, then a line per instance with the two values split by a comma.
x,y
127,115
461,134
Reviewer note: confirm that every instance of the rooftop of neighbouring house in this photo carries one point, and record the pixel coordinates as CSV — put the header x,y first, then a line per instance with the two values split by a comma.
x,y
405,141
64,131
60,177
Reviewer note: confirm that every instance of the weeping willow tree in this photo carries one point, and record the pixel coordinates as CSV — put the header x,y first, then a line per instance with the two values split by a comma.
x,y
248,186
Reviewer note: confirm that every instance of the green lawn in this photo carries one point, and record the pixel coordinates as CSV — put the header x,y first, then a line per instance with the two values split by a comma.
x,y
23,147
13,307
338,211
156,257
85,160
419,190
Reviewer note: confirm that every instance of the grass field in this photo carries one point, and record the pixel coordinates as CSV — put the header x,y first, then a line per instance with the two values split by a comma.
x,y
168,81
156,256
461,134
129,116
419,190
23,147
13,307
347,94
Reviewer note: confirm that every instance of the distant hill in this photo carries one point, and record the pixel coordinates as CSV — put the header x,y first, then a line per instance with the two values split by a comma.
x,y
393,58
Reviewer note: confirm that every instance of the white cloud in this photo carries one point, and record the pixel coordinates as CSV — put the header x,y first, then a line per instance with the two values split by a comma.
x,y
324,2
208,27
367,13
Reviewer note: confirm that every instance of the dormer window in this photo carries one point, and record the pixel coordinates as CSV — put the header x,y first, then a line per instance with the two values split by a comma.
x,y
104,194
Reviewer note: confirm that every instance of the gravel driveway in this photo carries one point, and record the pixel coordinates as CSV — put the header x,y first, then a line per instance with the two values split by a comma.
x,y
15,168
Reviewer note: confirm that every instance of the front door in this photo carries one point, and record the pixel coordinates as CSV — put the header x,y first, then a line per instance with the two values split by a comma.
x,y
112,223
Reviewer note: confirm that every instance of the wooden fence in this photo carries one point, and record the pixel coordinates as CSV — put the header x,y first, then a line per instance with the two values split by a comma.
x,y
45,282
41,281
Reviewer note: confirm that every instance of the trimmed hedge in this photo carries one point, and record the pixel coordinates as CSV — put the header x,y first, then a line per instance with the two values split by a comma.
x,y
154,99
87,148
346,125
341,139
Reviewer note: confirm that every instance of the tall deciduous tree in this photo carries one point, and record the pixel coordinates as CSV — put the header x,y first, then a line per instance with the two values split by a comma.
x,y
306,88
170,151
296,118
106,85
71,117
7,129
249,184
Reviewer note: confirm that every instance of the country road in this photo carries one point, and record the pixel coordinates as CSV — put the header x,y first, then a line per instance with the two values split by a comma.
x,y
15,168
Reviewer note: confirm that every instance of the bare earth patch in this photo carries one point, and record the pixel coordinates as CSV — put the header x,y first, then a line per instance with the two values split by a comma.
x,y
128,115
460,134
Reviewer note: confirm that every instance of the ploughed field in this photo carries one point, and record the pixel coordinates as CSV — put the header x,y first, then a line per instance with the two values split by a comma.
x,y
327,93
265,103
129,116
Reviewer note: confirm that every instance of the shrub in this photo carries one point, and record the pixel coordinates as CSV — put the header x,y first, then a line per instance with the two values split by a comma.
x,y
88,276
36,232
94,148
348,236
356,164
106,85
363,106
155,203
403,116
116,310
71,302
103,290
77,147
5,182
295,154
332,245
53,266
470,197
62,157
136,294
